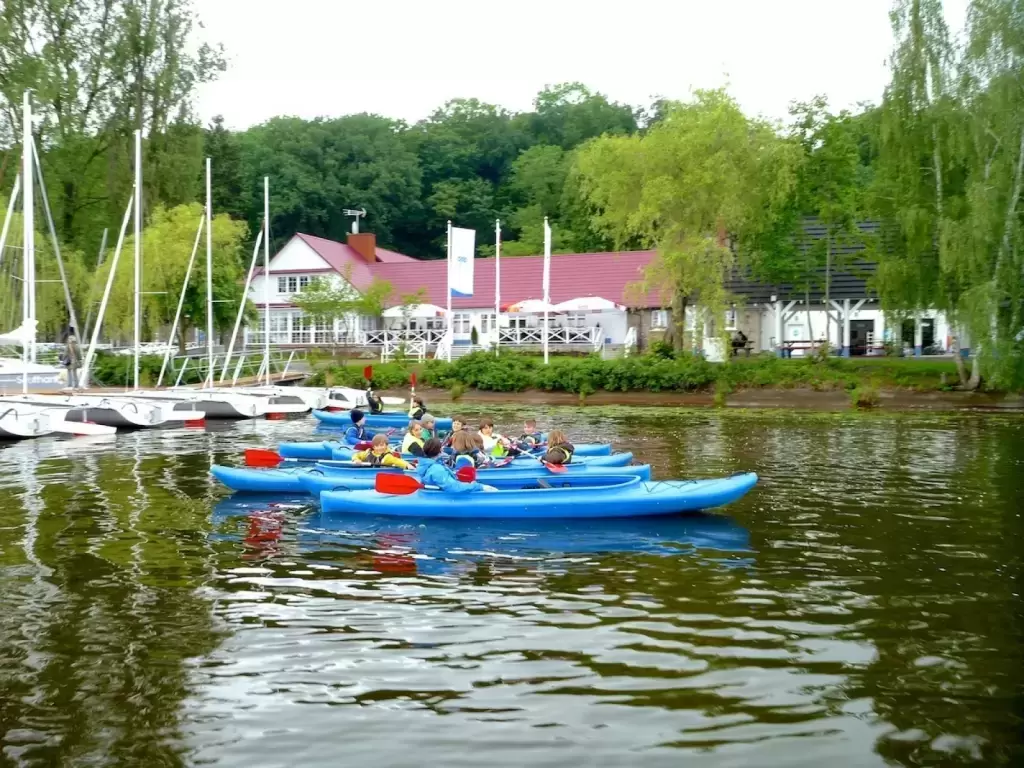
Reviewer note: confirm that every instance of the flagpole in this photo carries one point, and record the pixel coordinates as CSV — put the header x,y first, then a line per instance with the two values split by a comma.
x,y
497,286
209,278
451,332
547,283
266,277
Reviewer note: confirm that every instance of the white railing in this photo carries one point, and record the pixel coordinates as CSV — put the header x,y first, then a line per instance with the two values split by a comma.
x,y
397,336
590,336
443,350
629,343
392,348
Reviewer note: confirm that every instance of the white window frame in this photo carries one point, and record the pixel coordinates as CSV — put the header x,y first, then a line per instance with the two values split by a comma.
x,y
659,319
576,320
462,323
304,281
731,318
282,284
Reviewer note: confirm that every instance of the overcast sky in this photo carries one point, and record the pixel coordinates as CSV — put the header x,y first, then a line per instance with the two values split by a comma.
x,y
403,58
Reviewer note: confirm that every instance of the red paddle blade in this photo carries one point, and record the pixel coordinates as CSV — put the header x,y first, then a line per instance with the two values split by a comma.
x,y
399,485
556,468
368,372
261,457
467,474
412,380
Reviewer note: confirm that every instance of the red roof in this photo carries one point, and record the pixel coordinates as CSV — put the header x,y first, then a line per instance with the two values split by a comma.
x,y
573,275
342,258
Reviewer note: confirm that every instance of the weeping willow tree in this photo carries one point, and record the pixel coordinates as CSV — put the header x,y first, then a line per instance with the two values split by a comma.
x,y
51,307
703,174
949,179
167,242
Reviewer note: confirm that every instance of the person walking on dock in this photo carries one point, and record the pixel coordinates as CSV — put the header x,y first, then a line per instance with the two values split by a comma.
x,y
72,358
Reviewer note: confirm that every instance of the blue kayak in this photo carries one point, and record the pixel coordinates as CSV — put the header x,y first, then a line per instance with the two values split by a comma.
x,y
321,449
362,478
374,420
313,478
584,497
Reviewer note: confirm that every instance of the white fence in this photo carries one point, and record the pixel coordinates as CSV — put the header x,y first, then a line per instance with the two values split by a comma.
x,y
420,341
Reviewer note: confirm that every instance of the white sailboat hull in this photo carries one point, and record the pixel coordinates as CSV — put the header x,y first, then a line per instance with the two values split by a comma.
x,y
215,405
111,412
312,397
19,422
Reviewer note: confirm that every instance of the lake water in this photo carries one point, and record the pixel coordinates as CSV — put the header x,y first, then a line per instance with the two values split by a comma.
x,y
861,607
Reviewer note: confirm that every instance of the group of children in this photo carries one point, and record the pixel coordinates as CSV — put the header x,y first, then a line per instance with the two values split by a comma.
x,y
436,458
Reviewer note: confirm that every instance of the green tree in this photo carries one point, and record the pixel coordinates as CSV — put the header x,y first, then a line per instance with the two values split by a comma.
x,y
221,146
51,307
950,177
318,168
917,130
327,301
166,246
98,70
568,114
828,188
703,171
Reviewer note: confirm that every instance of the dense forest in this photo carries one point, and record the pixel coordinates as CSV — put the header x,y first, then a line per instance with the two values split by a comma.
x,y
939,161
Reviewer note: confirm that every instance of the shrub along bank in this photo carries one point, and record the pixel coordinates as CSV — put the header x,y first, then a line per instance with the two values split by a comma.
x,y
661,372
110,370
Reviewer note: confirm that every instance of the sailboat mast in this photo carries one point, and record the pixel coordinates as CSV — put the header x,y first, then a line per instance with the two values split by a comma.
x,y
209,276
28,285
138,253
266,276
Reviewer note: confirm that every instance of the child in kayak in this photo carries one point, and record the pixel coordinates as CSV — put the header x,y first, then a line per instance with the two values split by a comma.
x,y
531,435
357,433
373,402
432,472
560,450
459,424
495,444
379,455
491,438
466,452
429,426
413,442
418,409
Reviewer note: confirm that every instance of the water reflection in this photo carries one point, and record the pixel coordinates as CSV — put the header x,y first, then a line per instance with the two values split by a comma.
x,y
861,607
440,546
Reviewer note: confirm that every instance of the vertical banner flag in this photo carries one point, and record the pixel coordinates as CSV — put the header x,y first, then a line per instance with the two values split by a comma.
x,y
463,246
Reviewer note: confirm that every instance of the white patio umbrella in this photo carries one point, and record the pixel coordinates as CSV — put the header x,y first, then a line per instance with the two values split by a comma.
x,y
589,304
415,310
531,307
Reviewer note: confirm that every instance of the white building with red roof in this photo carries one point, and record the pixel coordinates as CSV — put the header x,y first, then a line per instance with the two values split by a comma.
x,y
769,317
358,262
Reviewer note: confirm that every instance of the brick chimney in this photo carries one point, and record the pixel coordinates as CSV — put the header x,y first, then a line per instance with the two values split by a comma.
x,y
365,244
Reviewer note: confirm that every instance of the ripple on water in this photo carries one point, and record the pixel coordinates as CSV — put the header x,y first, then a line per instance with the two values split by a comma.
x,y
859,608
